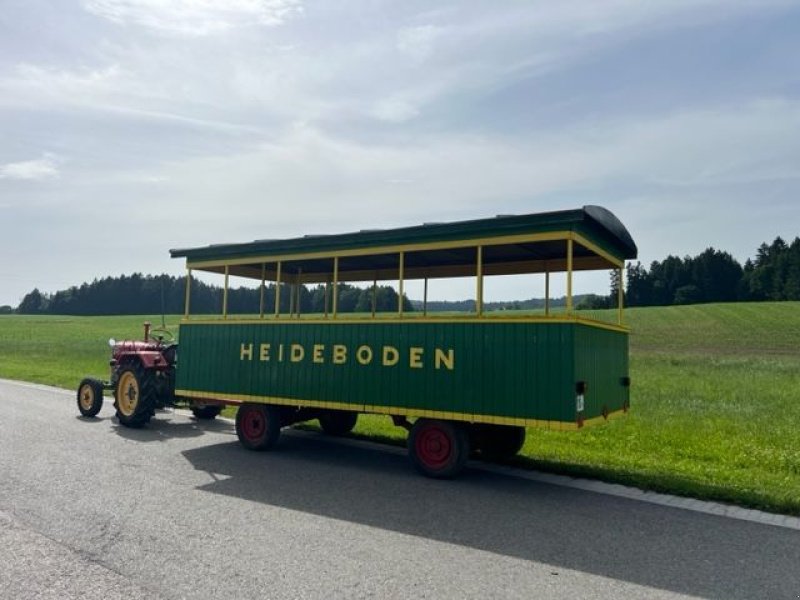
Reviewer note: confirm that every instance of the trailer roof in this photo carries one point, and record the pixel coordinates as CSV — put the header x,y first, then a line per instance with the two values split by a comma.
x,y
595,223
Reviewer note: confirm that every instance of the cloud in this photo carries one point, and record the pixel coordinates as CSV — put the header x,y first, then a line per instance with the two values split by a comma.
x,y
194,17
42,168
418,42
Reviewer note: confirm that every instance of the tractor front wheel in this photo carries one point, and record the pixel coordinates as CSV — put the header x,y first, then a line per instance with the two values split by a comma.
x,y
258,426
438,449
135,396
90,397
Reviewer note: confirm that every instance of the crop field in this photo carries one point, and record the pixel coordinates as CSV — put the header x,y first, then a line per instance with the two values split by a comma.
x,y
715,399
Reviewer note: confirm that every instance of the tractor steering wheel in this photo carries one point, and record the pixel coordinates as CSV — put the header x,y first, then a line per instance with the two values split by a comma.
x,y
162,334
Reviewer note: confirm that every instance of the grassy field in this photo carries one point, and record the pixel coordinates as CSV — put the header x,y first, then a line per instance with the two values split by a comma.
x,y
715,399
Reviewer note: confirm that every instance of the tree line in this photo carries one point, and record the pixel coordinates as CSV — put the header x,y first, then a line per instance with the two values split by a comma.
x,y
715,276
711,276
148,294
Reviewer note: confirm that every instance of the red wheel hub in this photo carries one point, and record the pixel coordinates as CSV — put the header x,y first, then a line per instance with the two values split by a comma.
x,y
253,424
433,446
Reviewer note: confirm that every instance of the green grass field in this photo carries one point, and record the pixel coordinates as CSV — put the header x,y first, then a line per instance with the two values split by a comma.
x,y
715,399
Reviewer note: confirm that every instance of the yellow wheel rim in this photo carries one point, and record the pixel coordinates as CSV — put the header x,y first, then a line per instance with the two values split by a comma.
x,y
87,397
127,394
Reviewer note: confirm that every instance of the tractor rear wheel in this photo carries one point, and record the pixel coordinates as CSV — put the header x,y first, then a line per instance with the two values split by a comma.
x,y
90,397
338,422
206,412
258,426
135,396
438,449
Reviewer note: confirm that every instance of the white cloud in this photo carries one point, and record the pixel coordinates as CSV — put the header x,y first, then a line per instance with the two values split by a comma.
x,y
418,42
41,168
194,17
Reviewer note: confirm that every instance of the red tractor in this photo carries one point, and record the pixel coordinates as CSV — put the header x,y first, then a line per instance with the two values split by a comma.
x,y
142,380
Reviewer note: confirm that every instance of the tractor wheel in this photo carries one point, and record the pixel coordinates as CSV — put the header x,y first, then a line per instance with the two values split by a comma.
x,y
135,396
258,426
497,442
205,412
338,422
438,449
90,397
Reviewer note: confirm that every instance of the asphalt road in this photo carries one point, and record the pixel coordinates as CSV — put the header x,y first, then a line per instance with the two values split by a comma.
x,y
180,510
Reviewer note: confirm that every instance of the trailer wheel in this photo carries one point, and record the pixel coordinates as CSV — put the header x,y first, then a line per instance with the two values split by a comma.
x,y
258,426
135,396
90,397
338,422
438,449
496,442
206,412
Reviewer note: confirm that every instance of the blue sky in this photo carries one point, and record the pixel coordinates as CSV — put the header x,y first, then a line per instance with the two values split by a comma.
x,y
129,127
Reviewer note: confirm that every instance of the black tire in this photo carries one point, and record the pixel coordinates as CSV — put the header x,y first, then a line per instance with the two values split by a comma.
x,y
206,412
258,426
90,397
338,422
498,442
438,449
135,396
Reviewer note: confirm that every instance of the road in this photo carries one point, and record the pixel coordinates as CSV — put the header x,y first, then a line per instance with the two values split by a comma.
x,y
180,510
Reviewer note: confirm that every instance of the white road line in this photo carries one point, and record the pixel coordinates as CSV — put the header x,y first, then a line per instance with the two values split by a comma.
x,y
729,511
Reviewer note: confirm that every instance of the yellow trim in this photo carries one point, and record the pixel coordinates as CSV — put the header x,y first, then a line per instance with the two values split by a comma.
x,y
547,293
596,249
620,298
471,318
400,411
372,250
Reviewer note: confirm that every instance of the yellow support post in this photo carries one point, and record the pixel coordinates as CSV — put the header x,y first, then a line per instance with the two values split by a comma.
x,y
278,291
261,294
547,293
188,293
335,286
374,296
327,293
479,290
569,275
400,286
620,298
425,299
225,293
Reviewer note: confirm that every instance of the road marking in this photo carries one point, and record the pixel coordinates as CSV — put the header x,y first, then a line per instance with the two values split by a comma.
x,y
729,511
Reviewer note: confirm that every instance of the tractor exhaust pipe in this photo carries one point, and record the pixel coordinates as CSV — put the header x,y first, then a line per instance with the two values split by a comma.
x,y
147,331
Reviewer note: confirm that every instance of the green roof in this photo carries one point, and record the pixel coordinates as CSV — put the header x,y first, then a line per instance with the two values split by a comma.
x,y
594,222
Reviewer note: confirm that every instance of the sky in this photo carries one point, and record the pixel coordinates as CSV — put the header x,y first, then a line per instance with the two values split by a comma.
x,y
129,127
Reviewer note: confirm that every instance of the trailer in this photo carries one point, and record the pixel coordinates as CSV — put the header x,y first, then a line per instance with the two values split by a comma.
x,y
460,383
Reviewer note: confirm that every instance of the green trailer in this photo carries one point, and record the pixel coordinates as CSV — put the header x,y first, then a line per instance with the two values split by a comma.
x,y
459,382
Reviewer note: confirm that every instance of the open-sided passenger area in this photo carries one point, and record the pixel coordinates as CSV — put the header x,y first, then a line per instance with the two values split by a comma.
x,y
344,324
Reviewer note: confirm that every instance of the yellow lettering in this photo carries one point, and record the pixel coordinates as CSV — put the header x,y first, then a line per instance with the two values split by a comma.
x,y
263,354
448,360
390,356
246,351
339,354
364,355
297,353
280,352
415,358
317,356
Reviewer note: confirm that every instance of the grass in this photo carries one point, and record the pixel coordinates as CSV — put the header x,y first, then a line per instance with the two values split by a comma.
x,y
715,399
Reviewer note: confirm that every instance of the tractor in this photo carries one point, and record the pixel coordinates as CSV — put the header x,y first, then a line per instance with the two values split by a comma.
x,y
142,380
